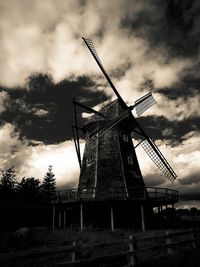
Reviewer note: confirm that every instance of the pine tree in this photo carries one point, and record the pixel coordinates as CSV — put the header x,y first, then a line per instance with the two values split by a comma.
x,y
48,186
8,183
28,190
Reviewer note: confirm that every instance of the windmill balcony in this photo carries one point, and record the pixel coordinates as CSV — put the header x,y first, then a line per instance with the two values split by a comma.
x,y
154,195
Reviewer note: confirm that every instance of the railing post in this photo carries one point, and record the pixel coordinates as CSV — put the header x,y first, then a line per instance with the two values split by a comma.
x,y
132,251
169,242
112,218
59,197
64,219
81,216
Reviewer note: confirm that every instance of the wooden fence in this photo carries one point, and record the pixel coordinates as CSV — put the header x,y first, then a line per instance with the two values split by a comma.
x,y
124,252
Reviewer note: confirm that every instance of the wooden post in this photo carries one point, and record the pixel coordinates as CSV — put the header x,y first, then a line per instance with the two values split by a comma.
x,y
53,218
64,219
132,251
81,216
112,219
74,251
193,240
168,242
142,218
59,219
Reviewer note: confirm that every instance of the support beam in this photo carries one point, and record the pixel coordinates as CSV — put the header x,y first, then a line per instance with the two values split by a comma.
x,y
81,216
112,219
59,219
76,146
142,218
77,134
87,108
53,217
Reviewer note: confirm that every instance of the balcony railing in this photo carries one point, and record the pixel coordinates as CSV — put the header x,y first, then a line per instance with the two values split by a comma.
x,y
155,194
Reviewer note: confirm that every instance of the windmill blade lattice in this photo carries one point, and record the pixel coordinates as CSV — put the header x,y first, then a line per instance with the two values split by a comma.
x,y
157,157
93,51
144,103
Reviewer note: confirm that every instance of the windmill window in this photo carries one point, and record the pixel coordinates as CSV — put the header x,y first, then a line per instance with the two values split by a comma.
x,y
130,159
125,138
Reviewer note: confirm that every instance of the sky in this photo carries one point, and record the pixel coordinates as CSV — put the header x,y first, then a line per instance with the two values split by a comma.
x,y
143,44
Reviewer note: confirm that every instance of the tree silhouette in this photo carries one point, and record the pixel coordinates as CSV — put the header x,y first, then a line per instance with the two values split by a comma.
x,y
8,183
28,190
48,186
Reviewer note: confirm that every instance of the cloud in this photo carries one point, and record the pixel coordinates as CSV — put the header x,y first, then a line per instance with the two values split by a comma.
x,y
191,179
14,152
184,158
34,160
4,97
188,204
177,109
143,45
43,110
63,159
53,45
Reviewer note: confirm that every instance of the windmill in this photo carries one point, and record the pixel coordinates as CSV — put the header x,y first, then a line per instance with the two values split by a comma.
x,y
111,186
109,159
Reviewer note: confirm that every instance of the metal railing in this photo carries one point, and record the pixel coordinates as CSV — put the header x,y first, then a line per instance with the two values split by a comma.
x,y
155,194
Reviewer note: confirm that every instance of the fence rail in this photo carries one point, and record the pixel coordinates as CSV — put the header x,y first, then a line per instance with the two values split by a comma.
x,y
117,193
137,248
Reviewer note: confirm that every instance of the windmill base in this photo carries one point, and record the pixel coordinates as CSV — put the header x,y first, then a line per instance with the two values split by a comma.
x,y
127,214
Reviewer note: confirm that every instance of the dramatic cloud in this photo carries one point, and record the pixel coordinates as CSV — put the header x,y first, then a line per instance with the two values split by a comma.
x,y
34,160
14,152
4,97
184,158
144,45
43,110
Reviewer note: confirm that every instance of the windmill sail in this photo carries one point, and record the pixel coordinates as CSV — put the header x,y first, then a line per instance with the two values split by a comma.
x,y
108,121
144,103
156,156
93,51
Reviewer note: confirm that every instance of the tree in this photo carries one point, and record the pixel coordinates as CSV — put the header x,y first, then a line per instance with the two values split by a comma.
x,y
28,190
8,183
48,186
